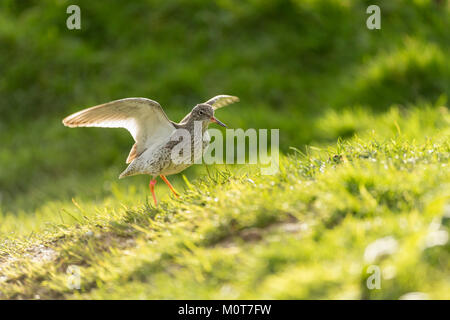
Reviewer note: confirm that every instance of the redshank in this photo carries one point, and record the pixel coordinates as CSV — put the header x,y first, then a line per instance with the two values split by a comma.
x,y
154,133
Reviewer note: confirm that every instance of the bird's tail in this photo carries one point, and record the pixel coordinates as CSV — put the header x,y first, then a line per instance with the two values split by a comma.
x,y
123,174
127,172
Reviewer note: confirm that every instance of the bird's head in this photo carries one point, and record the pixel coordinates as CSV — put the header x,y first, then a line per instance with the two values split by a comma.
x,y
204,112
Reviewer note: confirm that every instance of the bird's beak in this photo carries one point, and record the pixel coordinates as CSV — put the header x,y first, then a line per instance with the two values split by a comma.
x,y
220,123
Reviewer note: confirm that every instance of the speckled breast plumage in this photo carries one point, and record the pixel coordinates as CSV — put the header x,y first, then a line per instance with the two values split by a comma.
x,y
162,160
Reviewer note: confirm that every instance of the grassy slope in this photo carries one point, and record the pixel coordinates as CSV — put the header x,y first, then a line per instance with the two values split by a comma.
x,y
290,63
303,233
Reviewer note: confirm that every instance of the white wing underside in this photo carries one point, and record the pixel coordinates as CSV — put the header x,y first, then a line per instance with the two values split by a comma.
x,y
143,118
221,101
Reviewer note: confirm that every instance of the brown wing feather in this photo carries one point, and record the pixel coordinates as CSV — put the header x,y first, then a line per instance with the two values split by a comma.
x,y
133,153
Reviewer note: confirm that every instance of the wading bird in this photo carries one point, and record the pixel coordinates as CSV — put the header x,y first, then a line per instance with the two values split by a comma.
x,y
153,133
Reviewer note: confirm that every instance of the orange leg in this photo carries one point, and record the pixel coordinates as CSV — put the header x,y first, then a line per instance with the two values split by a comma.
x,y
170,186
152,189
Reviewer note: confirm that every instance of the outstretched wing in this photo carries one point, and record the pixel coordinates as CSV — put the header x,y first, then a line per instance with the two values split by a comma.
x,y
221,101
143,118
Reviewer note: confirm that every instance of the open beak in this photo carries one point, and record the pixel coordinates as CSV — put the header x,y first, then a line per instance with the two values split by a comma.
x,y
220,123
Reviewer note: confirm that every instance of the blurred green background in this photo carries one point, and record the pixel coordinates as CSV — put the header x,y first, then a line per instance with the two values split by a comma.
x,y
310,68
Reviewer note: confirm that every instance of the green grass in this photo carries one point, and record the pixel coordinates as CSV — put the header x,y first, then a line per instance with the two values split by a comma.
x,y
302,233
364,139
